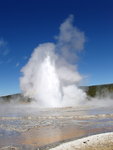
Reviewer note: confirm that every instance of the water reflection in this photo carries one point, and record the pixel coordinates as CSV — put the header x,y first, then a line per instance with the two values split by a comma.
x,y
25,125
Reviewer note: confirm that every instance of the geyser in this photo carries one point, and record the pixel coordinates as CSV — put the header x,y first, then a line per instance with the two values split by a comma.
x,y
48,85
51,77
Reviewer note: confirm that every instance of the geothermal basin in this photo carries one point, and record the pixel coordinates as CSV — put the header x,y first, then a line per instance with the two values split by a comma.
x,y
28,127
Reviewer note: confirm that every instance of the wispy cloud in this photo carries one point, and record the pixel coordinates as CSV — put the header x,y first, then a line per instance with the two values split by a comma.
x,y
9,60
2,43
17,64
4,50
25,57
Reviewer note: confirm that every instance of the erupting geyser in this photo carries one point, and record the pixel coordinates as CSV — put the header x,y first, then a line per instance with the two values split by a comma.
x,y
48,86
50,77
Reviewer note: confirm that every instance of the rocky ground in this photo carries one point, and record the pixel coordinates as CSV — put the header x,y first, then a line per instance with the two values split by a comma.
x,y
95,142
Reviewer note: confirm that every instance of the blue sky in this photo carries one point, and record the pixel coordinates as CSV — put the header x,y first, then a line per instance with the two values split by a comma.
x,y
26,23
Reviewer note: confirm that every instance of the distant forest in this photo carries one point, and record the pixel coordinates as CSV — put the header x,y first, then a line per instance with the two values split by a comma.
x,y
91,91
99,90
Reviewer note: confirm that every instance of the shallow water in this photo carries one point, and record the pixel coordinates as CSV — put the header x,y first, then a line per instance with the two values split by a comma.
x,y
27,126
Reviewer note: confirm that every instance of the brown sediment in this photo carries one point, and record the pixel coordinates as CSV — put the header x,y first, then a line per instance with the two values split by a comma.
x,y
45,135
48,135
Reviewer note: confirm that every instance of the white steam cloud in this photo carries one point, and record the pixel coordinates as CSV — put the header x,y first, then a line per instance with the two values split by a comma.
x,y
50,78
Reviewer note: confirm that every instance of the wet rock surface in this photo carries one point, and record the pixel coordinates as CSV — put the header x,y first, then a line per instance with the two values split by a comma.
x,y
28,127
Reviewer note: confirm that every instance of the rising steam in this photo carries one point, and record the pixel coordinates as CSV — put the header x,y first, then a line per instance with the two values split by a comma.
x,y
51,77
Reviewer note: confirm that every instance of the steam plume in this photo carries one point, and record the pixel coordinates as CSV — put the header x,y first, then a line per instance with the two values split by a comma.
x,y
50,77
